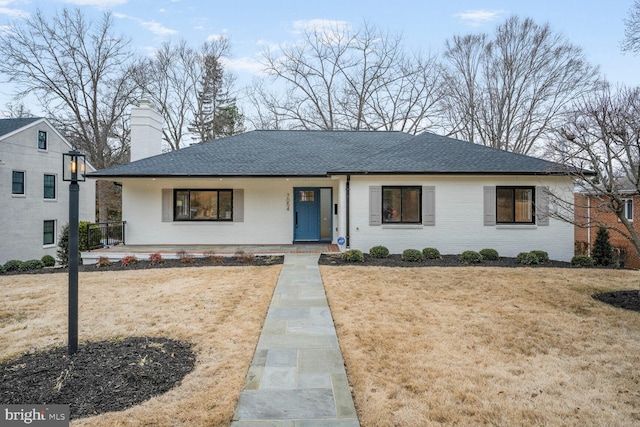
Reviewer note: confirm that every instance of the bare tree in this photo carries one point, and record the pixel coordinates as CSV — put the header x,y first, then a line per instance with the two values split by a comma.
x,y
17,111
600,144
192,91
508,91
631,41
338,78
82,74
169,80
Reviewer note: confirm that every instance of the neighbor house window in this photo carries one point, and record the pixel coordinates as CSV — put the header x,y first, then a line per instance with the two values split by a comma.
x,y
42,140
49,186
627,209
401,205
203,205
17,182
49,232
514,205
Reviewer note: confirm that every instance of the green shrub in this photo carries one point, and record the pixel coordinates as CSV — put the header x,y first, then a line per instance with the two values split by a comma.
x,y
602,251
490,254
431,253
379,252
32,264
542,256
470,257
582,261
527,258
14,265
63,242
1,269
353,255
48,261
412,255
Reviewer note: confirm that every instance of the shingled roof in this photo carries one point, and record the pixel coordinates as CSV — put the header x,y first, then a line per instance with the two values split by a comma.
x,y
10,125
323,153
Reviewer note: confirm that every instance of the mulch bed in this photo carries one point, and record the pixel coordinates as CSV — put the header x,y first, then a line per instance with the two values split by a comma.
x,y
629,300
395,260
101,377
222,261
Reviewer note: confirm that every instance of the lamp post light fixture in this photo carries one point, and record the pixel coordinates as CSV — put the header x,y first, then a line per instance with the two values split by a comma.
x,y
74,167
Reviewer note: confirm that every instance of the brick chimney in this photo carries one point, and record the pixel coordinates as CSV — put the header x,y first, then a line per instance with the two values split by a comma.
x,y
146,131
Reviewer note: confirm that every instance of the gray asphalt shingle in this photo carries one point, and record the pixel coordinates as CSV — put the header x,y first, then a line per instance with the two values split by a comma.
x,y
10,125
320,153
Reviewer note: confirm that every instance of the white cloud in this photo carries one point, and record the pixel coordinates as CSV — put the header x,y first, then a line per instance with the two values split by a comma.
x,y
475,18
216,37
12,12
243,65
157,28
153,26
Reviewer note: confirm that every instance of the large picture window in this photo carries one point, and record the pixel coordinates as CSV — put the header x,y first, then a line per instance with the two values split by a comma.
x,y
203,205
514,205
401,205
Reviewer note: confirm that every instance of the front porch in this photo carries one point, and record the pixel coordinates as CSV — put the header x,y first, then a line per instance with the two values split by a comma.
x,y
142,252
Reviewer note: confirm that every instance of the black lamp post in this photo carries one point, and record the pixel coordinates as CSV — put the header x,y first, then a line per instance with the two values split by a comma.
x,y
73,170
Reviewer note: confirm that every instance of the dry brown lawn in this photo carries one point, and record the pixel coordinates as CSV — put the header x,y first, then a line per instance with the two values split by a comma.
x,y
487,346
219,309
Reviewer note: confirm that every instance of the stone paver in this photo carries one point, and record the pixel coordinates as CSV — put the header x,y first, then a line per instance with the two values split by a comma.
x,y
297,377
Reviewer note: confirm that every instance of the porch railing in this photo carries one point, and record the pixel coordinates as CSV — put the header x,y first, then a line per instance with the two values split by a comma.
x,y
102,234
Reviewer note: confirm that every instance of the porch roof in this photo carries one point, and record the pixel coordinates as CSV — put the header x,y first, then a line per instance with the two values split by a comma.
x,y
323,153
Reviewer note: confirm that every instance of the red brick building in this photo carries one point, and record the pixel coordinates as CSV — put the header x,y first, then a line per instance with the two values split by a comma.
x,y
590,212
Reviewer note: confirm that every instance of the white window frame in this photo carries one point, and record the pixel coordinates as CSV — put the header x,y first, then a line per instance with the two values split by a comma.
x,y
627,209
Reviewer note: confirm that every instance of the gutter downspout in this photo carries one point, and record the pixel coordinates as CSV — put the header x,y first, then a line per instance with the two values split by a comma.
x,y
589,225
348,211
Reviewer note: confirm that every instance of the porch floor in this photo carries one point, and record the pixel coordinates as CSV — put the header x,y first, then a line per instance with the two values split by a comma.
x,y
118,252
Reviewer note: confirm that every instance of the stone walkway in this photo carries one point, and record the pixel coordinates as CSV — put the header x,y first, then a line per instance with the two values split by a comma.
x,y
297,377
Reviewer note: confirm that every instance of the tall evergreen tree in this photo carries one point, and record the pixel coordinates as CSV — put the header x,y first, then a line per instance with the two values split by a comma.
x,y
602,251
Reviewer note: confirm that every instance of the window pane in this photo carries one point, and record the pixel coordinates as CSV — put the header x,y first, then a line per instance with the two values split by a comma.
x,y
391,204
306,196
49,186
48,237
410,205
226,204
524,205
504,205
628,209
17,186
42,140
181,205
204,205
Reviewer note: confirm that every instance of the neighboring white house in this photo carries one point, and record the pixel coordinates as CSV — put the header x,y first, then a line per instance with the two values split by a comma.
x,y
34,201
367,187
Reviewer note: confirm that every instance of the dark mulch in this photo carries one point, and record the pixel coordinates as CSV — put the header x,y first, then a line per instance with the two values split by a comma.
x,y
101,377
223,261
629,300
395,260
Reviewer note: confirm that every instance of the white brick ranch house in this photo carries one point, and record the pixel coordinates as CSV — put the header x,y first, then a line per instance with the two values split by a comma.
x,y
369,187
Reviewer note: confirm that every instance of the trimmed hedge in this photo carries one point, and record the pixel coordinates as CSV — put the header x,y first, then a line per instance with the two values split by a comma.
x,y
490,254
431,253
527,258
48,261
32,264
412,255
379,252
582,261
14,265
470,257
353,255
542,255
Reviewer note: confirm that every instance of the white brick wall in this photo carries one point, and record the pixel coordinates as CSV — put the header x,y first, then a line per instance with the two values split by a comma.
x,y
22,217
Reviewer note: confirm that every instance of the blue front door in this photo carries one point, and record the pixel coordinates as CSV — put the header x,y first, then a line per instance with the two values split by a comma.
x,y
306,214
